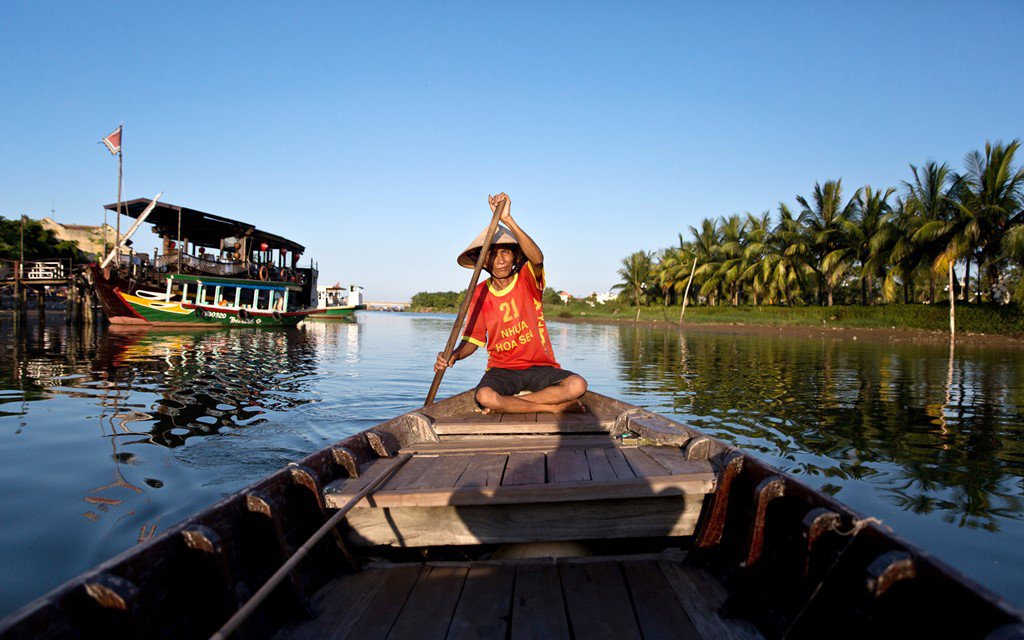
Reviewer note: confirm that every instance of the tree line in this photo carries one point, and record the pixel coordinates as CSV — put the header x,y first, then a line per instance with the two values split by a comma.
x,y
39,243
886,244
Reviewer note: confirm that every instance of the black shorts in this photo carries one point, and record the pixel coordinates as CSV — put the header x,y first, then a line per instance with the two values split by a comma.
x,y
509,382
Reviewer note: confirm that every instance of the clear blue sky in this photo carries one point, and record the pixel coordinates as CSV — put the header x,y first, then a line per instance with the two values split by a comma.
x,y
372,132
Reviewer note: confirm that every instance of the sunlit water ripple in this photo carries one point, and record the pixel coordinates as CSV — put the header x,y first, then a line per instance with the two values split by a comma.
x,y
107,438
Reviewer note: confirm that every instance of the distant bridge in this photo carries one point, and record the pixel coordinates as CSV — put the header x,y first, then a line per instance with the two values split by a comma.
x,y
387,306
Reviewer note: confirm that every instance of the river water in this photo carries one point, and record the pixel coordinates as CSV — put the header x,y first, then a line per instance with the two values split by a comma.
x,y
107,438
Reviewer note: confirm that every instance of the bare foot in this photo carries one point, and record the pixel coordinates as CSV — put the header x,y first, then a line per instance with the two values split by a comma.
x,y
572,406
485,411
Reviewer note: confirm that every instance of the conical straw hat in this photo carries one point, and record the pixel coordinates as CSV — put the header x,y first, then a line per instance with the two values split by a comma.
x,y
469,257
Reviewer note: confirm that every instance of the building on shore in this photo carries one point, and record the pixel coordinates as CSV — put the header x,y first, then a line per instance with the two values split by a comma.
x,y
90,238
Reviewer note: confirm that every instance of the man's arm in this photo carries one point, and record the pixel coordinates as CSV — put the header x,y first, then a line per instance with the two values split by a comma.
x,y
526,243
464,350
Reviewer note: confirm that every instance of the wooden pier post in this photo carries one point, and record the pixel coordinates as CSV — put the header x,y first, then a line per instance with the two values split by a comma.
x,y
41,304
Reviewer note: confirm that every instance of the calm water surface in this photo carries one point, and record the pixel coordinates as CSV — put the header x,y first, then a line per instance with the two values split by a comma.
x,y
107,438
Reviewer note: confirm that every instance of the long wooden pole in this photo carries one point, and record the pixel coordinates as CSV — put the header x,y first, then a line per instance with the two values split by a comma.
x,y
686,295
268,587
454,335
952,306
120,181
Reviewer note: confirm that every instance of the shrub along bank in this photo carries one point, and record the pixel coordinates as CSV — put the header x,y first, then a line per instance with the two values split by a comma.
x,y
990,319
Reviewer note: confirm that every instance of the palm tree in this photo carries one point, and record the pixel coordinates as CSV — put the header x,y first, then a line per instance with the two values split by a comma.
x,y
923,221
864,240
665,271
757,271
732,264
988,201
823,224
706,248
636,274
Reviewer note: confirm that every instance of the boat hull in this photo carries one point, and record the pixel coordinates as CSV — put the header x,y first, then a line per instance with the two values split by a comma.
x,y
793,561
338,313
123,305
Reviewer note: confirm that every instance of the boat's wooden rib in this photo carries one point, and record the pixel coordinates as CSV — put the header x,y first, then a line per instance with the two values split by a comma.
x,y
766,549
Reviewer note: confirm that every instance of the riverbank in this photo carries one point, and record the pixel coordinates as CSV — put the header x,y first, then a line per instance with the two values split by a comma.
x,y
989,324
980,324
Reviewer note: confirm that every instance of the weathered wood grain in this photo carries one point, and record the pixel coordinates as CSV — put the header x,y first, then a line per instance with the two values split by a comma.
x,y
597,601
483,470
567,465
659,613
607,519
525,467
485,608
538,612
428,611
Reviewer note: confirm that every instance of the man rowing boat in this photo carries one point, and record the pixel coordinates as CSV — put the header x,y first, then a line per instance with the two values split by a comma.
x,y
506,316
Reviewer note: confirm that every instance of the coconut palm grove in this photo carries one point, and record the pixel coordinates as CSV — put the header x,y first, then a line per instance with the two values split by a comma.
x,y
866,245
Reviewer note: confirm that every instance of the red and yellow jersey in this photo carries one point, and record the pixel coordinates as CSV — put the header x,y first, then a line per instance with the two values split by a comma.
x,y
510,322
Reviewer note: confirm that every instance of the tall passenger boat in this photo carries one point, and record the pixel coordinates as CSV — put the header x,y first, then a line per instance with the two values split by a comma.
x,y
210,270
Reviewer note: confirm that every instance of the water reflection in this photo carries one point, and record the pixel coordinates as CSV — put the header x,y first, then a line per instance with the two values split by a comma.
x,y
206,381
936,431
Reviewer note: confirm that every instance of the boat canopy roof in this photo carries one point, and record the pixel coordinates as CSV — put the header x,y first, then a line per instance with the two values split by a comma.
x,y
202,228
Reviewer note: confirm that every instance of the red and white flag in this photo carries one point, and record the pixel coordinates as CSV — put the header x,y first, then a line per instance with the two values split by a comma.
x,y
113,141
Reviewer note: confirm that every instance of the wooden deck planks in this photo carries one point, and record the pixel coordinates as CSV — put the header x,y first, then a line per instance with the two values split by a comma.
x,y
659,614
649,597
702,597
538,612
600,468
444,473
567,465
618,464
643,465
485,607
598,601
672,458
431,605
410,473
380,615
525,467
483,470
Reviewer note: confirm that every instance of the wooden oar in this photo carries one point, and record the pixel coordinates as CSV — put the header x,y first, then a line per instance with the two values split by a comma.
x,y
465,300
268,587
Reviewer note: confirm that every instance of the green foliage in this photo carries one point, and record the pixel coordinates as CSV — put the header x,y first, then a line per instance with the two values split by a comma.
x,y
437,300
879,245
40,243
551,296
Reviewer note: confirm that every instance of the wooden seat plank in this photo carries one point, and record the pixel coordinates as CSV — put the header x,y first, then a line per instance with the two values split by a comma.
x,y
618,463
537,607
444,473
485,606
380,616
600,468
522,442
568,465
693,484
483,470
525,467
660,615
429,609
541,426
702,597
598,601
643,465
